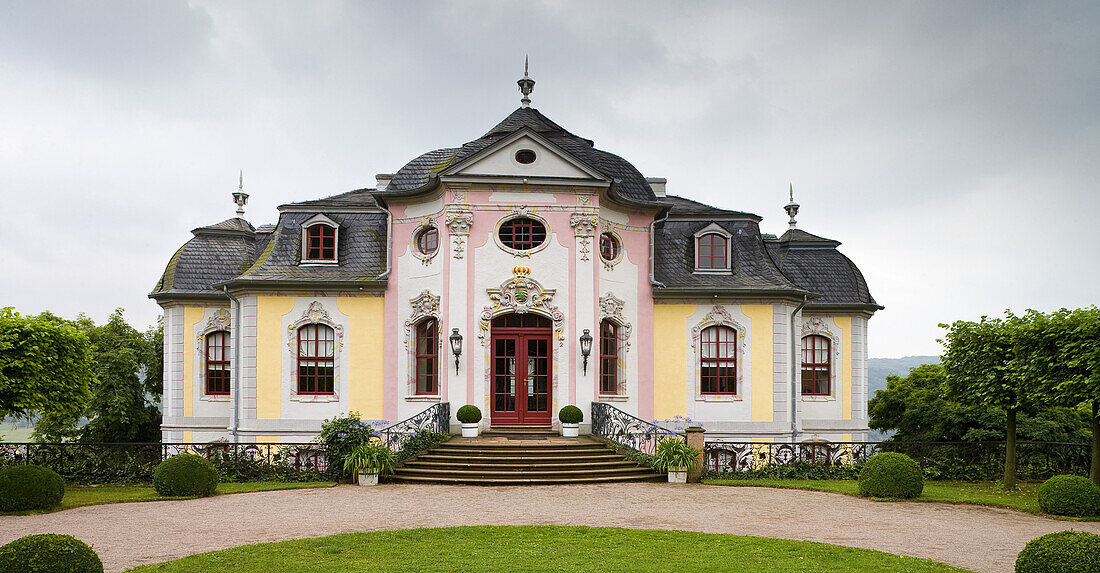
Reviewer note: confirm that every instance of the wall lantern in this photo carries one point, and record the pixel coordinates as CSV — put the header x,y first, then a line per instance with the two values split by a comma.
x,y
586,347
456,346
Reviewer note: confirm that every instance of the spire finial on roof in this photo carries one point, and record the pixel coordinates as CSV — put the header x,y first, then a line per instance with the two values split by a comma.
x,y
792,209
526,85
239,196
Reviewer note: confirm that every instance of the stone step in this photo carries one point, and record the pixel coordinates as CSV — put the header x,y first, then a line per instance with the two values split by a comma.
x,y
595,457
525,481
508,473
517,465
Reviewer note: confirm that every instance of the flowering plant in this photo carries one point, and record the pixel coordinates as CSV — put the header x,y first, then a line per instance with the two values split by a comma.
x,y
341,435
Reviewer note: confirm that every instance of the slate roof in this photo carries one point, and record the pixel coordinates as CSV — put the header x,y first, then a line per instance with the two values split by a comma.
x,y
216,254
629,183
359,199
686,207
814,264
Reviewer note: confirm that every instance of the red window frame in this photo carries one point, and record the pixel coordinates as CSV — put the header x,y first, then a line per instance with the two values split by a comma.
x,y
609,357
712,252
320,243
427,357
427,242
522,233
816,365
217,363
718,360
316,359
609,247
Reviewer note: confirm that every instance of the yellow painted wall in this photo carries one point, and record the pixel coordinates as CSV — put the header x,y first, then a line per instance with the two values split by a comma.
x,y
760,316
188,437
270,311
844,323
268,439
670,359
364,342
192,315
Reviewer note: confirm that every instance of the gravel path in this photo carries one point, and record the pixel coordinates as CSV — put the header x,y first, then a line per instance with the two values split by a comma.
x,y
129,534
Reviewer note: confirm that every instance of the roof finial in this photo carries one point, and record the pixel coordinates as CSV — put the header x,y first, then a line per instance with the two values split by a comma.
x,y
239,196
526,85
792,209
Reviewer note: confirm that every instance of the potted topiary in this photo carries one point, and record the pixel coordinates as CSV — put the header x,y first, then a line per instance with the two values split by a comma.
x,y
369,461
570,417
674,456
469,415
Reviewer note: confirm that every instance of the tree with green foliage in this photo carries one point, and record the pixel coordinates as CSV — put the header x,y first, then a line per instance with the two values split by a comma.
x,y
126,390
45,365
987,363
920,408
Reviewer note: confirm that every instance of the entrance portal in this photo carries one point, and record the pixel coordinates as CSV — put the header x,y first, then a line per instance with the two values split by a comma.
x,y
521,366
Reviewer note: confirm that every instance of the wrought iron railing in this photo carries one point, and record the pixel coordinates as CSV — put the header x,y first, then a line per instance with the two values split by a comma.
x,y
434,419
626,430
135,462
938,460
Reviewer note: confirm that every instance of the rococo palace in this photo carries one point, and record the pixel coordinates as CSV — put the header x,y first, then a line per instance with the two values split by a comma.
x,y
519,272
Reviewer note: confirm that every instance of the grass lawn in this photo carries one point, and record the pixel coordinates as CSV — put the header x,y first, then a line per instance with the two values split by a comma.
x,y
78,495
977,493
542,548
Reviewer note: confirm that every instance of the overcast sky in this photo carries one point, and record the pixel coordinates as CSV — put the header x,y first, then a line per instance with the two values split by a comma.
x,y
954,148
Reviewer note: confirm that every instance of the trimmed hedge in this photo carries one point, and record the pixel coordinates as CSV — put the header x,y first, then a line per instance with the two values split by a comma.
x,y
30,487
1062,552
1069,495
49,553
468,414
185,475
891,475
571,415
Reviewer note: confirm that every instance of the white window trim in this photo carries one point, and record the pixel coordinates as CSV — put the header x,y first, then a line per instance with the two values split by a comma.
x,y
320,219
713,229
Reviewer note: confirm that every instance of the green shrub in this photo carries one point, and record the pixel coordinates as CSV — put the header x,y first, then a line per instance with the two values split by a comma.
x,y
1062,552
571,415
890,475
49,553
673,454
29,487
469,414
185,475
420,441
370,459
340,436
1069,495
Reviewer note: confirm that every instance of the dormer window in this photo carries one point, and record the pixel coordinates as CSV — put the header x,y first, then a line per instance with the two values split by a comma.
x,y
712,250
319,240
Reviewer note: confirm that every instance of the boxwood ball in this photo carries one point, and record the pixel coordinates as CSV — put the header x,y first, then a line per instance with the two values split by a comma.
x,y
891,474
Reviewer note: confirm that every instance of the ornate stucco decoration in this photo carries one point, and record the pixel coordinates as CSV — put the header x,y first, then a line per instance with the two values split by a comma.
x,y
521,294
459,222
719,316
218,321
315,314
817,325
528,212
425,224
584,227
611,308
424,305
610,265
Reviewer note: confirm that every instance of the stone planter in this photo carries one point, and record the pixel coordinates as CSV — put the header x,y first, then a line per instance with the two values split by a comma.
x,y
680,476
469,430
570,430
368,479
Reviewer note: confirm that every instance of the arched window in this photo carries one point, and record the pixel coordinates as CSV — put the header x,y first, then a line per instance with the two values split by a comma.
x,y
609,357
217,362
718,360
320,243
712,252
427,242
427,357
316,360
815,365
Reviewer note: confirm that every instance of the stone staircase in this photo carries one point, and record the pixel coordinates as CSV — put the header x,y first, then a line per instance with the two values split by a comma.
x,y
522,456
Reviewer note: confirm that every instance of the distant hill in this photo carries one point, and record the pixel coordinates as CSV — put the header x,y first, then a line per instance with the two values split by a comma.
x,y
879,368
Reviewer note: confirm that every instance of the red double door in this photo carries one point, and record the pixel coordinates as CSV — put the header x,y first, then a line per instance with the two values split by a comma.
x,y
521,367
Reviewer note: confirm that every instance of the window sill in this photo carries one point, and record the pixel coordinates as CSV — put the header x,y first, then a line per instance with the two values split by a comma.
x,y
423,398
317,263
711,271
812,398
214,397
314,398
613,398
718,398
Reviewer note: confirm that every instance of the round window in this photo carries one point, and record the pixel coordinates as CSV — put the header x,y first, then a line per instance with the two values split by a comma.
x,y
522,233
525,156
609,246
427,241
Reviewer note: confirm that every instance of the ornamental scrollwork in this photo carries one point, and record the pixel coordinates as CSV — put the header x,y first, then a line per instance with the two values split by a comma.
x,y
611,308
218,321
424,305
584,224
521,294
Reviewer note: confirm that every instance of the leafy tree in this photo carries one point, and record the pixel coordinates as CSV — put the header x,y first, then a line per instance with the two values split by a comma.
x,y
919,407
987,363
45,365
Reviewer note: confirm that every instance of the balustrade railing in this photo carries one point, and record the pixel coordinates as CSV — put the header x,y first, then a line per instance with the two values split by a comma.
x,y
434,419
626,430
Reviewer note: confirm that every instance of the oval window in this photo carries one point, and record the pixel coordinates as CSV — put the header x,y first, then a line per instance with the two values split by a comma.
x,y
522,233
609,246
525,156
427,241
